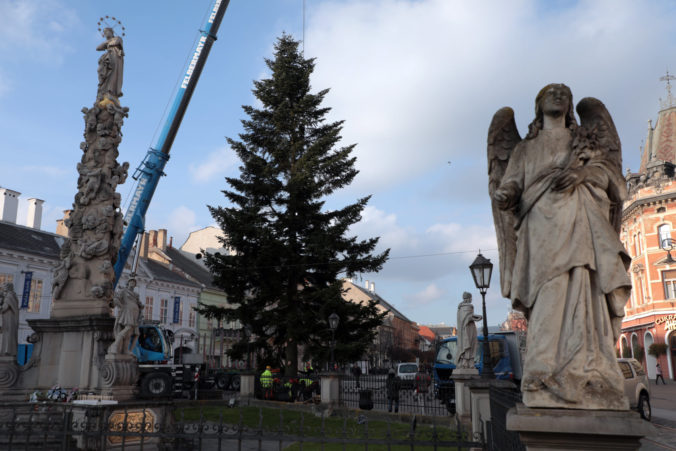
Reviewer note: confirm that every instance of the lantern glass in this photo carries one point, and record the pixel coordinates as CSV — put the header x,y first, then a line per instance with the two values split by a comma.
x,y
482,269
333,321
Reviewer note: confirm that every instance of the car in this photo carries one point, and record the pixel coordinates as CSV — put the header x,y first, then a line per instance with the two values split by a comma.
x,y
636,386
406,372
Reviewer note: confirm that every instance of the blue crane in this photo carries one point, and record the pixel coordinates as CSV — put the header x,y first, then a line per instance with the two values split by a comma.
x,y
152,167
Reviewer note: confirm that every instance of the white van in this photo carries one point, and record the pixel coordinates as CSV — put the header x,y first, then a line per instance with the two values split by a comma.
x,y
406,372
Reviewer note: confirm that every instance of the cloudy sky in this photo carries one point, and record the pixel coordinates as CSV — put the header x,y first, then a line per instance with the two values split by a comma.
x,y
416,82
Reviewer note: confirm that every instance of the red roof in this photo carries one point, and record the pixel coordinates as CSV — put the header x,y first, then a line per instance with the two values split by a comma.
x,y
427,333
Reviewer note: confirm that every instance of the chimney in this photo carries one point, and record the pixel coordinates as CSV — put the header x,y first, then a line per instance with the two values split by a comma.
x,y
162,239
34,218
61,228
171,241
373,287
144,245
153,238
9,204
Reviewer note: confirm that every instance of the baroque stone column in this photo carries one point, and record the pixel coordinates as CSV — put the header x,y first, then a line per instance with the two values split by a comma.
x,y
83,281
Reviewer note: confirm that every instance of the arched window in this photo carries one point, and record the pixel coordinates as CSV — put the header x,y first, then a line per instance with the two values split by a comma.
x,y
635,246
664,233
635,347
624,347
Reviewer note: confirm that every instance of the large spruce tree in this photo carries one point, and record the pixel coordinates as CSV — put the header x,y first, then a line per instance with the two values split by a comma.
x,y
290,251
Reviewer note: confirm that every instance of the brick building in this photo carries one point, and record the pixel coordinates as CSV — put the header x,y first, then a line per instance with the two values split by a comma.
x,y
649,217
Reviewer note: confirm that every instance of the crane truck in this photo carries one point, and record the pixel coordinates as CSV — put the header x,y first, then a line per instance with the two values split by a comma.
x,y
161,377
158,374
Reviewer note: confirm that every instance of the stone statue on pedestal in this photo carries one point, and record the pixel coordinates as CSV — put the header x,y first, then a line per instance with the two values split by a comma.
x,y
9,320
467,336
126,324
557,203
111,65
83,281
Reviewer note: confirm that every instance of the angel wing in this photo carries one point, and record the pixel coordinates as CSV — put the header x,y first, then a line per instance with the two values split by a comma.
x,y
503,137
598,132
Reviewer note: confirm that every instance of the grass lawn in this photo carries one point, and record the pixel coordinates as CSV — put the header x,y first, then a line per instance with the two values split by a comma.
x,y
299,423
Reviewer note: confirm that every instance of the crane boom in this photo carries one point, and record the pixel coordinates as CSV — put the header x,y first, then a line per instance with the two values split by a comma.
x,y
151,168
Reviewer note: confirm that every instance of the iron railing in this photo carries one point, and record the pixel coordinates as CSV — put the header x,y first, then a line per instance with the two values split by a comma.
x,y
498,437
370,392
215,426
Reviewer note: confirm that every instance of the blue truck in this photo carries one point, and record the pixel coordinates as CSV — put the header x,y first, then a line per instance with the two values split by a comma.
x,y
504,358
160,376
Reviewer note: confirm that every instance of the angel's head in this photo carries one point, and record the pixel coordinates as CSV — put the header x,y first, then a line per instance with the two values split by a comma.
x,y
554,99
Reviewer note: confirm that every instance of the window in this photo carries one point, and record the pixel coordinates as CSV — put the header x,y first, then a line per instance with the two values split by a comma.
x,y
6,278
626,370
664,233
35,296
191,320
669,278
149,308
638,368
164,304
180,313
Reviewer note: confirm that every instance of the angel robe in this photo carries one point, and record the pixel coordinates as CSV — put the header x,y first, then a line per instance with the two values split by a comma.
x,y
569,276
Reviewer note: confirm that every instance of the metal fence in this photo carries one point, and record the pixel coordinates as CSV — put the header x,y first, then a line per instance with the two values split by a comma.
x,y
498,437
213,426
369,392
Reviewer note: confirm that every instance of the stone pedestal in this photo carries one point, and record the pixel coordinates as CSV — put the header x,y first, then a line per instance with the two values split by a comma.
x,y
9,371
330,389
68,352
247,385
566,429
119,375
480,403
461,376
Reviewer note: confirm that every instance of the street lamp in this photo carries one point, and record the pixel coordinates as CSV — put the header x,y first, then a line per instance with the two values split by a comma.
x,y
668,245
333,325
247,334
481,270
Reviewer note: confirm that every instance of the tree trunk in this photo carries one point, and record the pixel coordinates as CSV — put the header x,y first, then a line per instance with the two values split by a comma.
x,y
291,367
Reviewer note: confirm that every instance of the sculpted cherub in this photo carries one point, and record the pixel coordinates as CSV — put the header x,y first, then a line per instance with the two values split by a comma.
x,y
557,199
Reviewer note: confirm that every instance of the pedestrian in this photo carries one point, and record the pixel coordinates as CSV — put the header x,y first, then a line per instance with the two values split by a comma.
x,y
422,387
266,383
356,372
392,386
658,371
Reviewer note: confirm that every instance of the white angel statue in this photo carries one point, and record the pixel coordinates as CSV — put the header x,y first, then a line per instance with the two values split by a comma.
x,y
557,203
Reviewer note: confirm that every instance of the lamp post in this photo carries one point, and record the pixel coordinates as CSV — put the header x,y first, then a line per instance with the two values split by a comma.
x,y
481,270
333,325
668,245
247,333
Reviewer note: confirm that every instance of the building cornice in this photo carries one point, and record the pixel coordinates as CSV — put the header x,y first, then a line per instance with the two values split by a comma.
x,y
650,200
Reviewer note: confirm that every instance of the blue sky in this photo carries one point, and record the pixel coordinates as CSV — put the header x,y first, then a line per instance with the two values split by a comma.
x,y
416,82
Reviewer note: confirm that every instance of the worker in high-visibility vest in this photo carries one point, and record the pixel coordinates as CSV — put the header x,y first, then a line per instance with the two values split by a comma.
x,y
266,382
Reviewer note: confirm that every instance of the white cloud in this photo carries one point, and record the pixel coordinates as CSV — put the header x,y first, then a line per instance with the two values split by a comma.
x,y
430,294
217,163
438,251
181,221
35,29
418,82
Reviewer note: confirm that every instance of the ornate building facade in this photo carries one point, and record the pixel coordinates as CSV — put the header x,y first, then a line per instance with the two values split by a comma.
x,y
648,222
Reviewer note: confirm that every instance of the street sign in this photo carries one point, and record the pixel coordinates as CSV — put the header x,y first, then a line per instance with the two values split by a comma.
x,y
25,297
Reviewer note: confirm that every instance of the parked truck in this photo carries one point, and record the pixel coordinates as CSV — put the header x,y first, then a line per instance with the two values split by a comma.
x,y
500,359
161,376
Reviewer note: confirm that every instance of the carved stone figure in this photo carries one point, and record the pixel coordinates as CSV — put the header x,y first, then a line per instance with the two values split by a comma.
x,y
467,336
83,281
111,65
557,200
9,320
129,306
